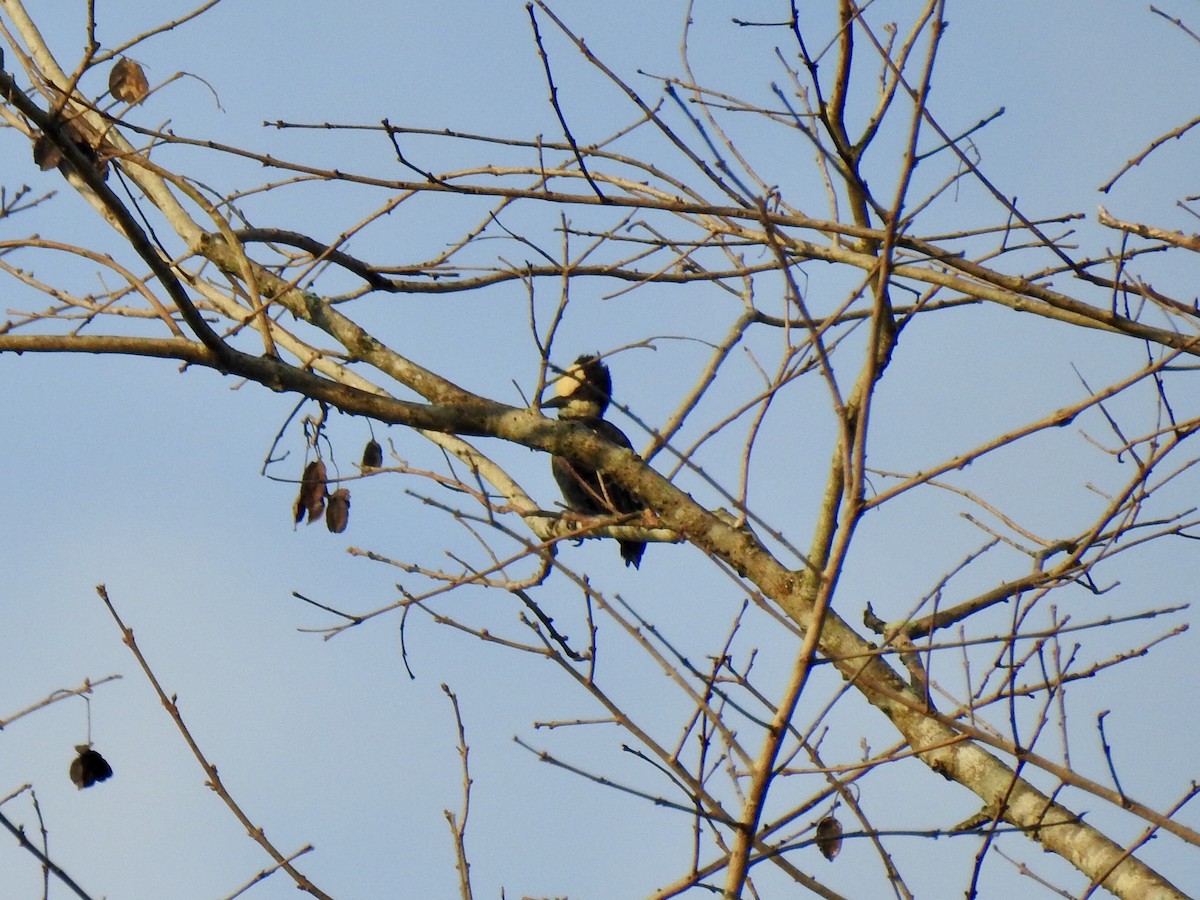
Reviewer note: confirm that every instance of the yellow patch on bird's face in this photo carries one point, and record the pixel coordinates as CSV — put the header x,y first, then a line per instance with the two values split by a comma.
x,y
569,383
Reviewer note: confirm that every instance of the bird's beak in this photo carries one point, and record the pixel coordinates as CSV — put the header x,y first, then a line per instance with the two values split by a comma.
x,y
555,403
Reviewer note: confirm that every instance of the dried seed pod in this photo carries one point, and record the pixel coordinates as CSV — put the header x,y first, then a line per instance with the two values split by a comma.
x,y
829,837
372,455
338,514
313,492
45,154
89,767
127,82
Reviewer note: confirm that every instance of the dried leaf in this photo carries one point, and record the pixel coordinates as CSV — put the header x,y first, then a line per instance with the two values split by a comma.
x,y
829,837
338,514
89,767
45,154
127,82
313,492
372,455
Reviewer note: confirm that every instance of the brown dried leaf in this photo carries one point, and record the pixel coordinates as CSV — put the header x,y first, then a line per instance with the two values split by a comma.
x,y
372,455
89,767
127,82
337,516
312,493
829,837
45,154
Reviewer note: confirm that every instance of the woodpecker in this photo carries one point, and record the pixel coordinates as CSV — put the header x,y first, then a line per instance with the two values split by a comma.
x,y
582,395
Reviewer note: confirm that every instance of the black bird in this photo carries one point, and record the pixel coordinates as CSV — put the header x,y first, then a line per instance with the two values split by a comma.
x,y
582,395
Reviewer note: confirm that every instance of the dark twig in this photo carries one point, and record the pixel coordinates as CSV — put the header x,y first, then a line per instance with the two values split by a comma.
x,y
1176,21
337,612
1112,769
403,160
562,119
317,249
641,104
46,861
982,123
722,165
544,756
561,639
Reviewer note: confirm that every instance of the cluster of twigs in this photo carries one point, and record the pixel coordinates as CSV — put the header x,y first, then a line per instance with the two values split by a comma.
x,y
678,197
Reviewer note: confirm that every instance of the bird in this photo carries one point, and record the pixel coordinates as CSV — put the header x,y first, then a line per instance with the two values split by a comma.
x,y
582,395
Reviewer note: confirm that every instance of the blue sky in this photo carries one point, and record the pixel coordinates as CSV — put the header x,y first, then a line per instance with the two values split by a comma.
x,y
129,473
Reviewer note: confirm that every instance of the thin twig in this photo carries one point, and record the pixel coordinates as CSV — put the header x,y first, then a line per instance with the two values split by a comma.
x,y
46,861
562,119
458,824
214,780
1104,745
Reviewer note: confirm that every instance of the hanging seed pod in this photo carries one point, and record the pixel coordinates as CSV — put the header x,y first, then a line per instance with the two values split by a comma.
x,y
127,82
372,455
313,492
338,514
45,154
829,837
89,767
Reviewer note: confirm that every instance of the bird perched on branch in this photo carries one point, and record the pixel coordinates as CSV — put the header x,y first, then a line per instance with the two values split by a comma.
x,y
582,395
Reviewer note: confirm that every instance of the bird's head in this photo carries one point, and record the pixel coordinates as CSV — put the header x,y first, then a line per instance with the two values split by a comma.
x,y
583,391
